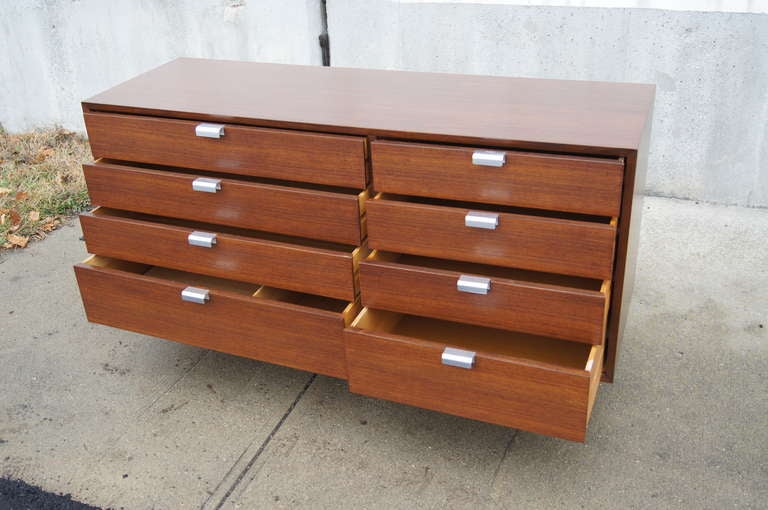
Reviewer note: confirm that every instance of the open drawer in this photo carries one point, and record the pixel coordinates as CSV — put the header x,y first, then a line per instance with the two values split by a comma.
x,y
545,241
293,263
289,208
566,307
516,380
288,328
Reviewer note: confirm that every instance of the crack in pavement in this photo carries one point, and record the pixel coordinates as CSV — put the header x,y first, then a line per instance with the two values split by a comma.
x,y
503,458
209,503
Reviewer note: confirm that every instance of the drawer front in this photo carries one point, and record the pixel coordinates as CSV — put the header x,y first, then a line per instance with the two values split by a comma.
x,y
266,330
293,267
290,155
293,211
498,390
577,248
548,310
561,183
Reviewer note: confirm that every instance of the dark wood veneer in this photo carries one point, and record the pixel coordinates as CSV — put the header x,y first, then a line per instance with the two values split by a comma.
x,y
256,328
277,154
300,143
551,245
250,259
293,211
387,358
552,115
559,311
542,181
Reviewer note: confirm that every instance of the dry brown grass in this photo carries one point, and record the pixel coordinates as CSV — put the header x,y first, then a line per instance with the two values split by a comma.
x,y
41,182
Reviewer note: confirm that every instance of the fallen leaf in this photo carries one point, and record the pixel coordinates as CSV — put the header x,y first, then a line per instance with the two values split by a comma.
x,y
43,154
7,245
34,215
21,195
49,224
4,191
19,241
15,218
2,218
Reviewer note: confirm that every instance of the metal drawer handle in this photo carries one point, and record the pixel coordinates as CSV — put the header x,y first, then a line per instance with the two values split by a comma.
x,y
204,239
196,295
481,219
209,130
489,158
206,185
458,358
473,284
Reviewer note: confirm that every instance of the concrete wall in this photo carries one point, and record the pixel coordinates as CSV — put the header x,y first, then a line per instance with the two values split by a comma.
x,y
53,54
710,135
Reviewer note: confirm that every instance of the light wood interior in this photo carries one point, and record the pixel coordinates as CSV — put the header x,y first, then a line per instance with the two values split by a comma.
x,y
104,212
121,265
471,268
539,349
299,298
347,309
506,209
595,364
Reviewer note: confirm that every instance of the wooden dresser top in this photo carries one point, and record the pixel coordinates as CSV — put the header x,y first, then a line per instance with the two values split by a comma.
x,y
554,115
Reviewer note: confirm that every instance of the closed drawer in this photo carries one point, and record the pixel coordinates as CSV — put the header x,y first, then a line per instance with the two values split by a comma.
x,y
561,183
532,383
296,330
295,264
279,154
558,306
525,241
305,212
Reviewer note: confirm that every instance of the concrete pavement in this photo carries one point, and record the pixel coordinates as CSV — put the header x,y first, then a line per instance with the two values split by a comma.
x,y
124,420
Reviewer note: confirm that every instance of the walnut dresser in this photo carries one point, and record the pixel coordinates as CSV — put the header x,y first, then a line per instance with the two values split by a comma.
x,y
459,243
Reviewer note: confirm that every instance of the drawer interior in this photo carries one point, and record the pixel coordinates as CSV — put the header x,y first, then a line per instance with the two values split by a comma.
x,y
495,342
605,220
346,309
491,271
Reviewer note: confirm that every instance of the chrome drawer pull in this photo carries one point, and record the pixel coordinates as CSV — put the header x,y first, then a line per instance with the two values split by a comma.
x,y
204,239
473,284
481,219
458,358
206,184
196,295
489,158
209,130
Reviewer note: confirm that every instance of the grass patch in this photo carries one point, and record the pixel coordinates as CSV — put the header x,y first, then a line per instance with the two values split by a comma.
x,y
41,182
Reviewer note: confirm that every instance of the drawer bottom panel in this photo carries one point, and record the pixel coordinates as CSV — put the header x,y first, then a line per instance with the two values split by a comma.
x,y
287,328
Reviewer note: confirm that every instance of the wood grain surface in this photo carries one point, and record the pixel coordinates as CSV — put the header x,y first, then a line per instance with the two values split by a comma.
x,y
627,242
278,154
558,311
553,115
541,181
231,322
551,245
246,258
511,391
315,214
